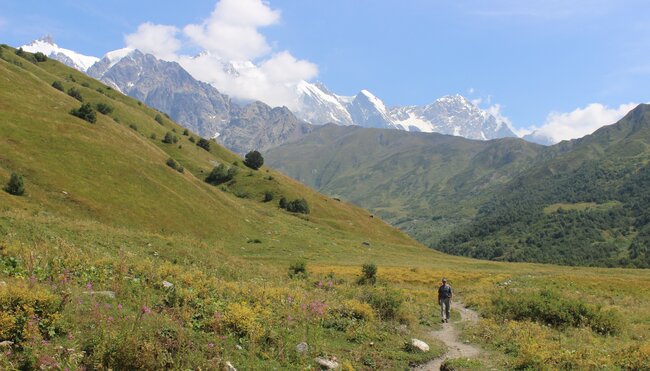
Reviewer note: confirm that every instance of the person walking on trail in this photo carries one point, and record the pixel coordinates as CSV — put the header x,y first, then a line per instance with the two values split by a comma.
x,y
444,299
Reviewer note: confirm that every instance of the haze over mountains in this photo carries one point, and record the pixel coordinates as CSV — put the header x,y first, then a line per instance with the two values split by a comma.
x,y
201,107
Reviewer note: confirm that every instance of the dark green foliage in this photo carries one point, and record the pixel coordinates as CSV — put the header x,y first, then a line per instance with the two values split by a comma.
x,y
139,103
153,136
169,138
254,160
76,94
175,165
254,240
549,308
85,84
40,57
385,301
369,274
186,132
23,54
85,112
16,185
159,119
298,206
283,202
268,196
58,85
298,269
192,140
134,127
204,143
104,108
221,174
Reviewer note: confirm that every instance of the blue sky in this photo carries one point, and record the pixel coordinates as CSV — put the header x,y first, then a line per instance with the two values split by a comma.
x,y
532,61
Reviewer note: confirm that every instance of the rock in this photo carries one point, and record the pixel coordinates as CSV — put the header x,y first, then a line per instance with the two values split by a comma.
x,y
238,347
3,283
327,363
365,243
109,294
167,284
230,367
6,343
419,345
302,347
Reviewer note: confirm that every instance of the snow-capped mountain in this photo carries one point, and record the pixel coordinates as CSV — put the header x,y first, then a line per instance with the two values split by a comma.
x,y
68,57
453,115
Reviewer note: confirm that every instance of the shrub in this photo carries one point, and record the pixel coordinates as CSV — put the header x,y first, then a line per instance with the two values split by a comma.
x,y
298,206
76,94
40,57
159,119
369,274
221,174
16,185
283,202
85,112
549,308
355,309
241,319
204,143
186,132
134,127
298,269
174,165
169,138
153,136
268,196
23,54
21,304
104,108
58,85
254,160
386,302
192,140
85,84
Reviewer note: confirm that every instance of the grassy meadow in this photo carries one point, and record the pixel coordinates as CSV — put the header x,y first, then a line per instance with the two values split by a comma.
x,y
113,260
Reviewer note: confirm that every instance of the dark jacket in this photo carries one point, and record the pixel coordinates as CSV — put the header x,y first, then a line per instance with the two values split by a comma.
x,y
444,292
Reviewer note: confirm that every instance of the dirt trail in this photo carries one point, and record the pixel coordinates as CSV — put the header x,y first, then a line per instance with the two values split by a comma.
x,y
449,335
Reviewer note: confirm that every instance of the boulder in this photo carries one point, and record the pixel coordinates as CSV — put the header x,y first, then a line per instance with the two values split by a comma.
x,y
167,284
327,363
302,348
230,367
419,345
6,343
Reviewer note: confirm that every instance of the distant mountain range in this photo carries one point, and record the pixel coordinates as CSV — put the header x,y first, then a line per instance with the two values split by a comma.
x,y
201,107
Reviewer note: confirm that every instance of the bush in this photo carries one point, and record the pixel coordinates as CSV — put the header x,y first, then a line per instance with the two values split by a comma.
x,y
192,140
298,206
186,132
22,306
174,165
386,302
85,112
153,136
298,269
76,94
23,54
134,127
40,57
369,275
169,138
254,160
549,308
204,143
16,185
268,196
58,85
104,108
159,119
241,319
283,202
221,174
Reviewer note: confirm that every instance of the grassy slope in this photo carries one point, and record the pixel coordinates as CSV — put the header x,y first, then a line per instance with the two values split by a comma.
x,y
425,184
127,222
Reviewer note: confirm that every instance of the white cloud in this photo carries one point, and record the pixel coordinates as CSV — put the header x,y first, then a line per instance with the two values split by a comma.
x,y
577,123
159,40
236,57
495,110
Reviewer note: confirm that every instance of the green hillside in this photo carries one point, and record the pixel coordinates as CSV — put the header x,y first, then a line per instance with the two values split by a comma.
x,y
112,259
424,184
586,206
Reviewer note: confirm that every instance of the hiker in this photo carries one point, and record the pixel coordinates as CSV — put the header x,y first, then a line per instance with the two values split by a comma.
x,y
444,299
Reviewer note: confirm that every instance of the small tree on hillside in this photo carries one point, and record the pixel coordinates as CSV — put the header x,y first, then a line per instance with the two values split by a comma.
x,y
76,94
58,85
40,57
369,274
169,138
85,112
221,174
283,202
268,196
159,119
15,186
254,160
104,108
298,206
204,143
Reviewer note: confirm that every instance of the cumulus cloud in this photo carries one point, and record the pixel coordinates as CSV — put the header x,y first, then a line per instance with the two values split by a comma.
x,y
495,110
577,123
159,40
236,58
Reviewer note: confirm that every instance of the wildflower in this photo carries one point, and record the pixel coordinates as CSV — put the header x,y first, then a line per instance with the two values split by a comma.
x,y
110,319
70,337
119,307
289,299
145,310
211,345
89,286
